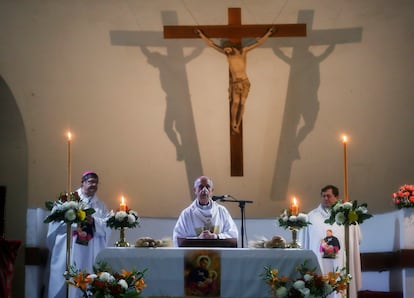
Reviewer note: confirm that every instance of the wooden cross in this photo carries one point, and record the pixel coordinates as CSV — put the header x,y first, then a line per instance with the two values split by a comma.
x,y
235,31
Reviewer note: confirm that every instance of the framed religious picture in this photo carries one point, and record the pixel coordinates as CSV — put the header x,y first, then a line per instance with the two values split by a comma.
x,y
330,245
202,270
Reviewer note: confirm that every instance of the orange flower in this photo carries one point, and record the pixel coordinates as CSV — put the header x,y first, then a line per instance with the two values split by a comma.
x,y
325,278
140,284
332,277
125,273
341,286
82,281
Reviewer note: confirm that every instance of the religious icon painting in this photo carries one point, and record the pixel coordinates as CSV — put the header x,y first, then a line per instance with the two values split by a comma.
x,y
330,245
84,234
202,270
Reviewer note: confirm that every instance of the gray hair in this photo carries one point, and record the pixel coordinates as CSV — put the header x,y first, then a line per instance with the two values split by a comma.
x,y
198,180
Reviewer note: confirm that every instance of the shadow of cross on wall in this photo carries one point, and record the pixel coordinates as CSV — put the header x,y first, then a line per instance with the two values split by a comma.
x,y
302,92
179,123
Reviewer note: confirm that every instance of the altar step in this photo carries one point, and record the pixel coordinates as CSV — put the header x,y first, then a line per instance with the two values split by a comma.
x,y
376,294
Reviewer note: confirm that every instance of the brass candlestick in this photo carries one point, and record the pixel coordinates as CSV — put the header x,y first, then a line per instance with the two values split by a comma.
x,y
122,242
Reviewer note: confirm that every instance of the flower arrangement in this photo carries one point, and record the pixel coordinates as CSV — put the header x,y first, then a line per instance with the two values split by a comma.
x,y
348,213
278,284
123,219
291,221
404,197
68,208
308,284
104,283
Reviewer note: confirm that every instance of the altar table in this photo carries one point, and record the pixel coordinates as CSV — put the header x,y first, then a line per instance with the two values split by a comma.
x,y
240,267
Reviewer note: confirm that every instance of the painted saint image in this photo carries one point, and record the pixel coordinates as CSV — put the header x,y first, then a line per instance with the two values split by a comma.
x,y
330,245
202,274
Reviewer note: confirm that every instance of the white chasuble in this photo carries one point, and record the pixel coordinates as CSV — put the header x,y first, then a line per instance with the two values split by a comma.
x,y
81,255
196,218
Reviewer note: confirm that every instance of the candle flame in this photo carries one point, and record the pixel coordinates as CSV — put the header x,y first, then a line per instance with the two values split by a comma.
x,y
295,203
122,200
344,139
69,136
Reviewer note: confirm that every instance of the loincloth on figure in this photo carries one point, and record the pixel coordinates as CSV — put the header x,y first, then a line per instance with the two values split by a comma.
x,y
240,87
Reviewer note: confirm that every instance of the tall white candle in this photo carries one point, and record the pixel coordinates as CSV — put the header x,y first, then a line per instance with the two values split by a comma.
x,y
69,162
344,141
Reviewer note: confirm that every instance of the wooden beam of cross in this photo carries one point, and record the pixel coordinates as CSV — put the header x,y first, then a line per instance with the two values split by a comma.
x,y
235,31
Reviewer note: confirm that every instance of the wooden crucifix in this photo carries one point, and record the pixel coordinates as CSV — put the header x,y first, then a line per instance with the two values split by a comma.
x,y
234,32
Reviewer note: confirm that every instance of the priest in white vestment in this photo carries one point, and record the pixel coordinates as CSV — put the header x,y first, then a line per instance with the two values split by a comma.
x,y
312,237
84,249
204,218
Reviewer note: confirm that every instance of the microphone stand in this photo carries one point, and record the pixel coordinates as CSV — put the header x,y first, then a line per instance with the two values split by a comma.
x,y
242,204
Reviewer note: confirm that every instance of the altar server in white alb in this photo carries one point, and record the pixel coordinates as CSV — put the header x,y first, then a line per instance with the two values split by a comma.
x,y
87,240
316,238
204,218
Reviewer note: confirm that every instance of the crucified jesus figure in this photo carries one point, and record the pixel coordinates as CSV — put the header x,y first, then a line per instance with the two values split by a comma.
x,y
239,85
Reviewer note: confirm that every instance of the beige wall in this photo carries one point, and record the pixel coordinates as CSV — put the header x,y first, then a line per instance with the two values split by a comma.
x,y
103,70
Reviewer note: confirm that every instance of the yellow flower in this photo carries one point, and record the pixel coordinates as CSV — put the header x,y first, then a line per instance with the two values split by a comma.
x,y
352,216
274,273
81,215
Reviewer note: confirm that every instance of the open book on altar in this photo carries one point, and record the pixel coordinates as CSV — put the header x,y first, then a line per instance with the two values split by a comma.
x,y
196,242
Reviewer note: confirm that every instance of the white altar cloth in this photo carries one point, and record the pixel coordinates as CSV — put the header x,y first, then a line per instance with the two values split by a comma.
x,y
240,268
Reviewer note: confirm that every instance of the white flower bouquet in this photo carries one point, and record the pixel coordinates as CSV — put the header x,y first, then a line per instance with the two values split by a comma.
x,y
288,220
67,208
123,219
348,213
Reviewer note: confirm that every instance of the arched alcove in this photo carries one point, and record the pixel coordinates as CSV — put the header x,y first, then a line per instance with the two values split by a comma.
x,y
13,175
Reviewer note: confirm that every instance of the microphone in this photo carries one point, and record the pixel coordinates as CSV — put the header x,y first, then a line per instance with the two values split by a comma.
x,y
215,198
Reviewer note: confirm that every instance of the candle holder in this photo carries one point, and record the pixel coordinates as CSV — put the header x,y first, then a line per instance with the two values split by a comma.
x,y
294,223
294,243
121,220
68,246
122,242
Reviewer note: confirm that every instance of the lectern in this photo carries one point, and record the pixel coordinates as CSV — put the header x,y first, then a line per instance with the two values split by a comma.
x,y
194,242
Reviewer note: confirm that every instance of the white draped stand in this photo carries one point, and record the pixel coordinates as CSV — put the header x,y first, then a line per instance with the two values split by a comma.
x,y
406,230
